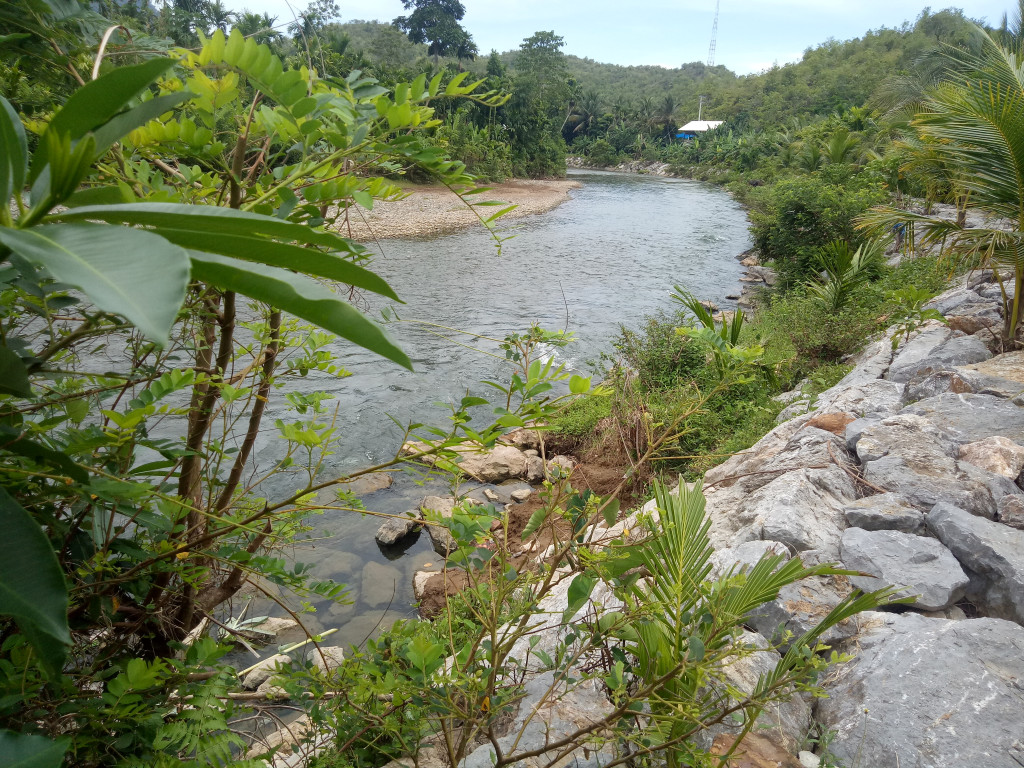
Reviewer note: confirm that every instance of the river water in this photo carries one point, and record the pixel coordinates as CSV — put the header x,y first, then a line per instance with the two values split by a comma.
x,y
605,258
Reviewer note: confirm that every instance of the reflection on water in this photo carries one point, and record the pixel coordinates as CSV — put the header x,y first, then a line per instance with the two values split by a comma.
x,y
606,257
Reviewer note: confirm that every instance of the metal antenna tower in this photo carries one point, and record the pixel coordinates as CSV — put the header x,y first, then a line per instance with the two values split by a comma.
x,y
711,53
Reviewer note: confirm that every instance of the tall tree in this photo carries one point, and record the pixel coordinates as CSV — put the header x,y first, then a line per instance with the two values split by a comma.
x,y
436,23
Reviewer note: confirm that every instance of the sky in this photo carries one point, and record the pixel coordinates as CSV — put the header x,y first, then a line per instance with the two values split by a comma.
x,y
753,35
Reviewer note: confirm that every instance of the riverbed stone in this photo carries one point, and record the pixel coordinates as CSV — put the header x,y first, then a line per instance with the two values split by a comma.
x,y
884,512
928,693
263,671
991,553
268,630
442,507
920,566
971,417
521,494
996,454
534,469
379,584
503,462
419,583
367,484
327,658
394,529
561,466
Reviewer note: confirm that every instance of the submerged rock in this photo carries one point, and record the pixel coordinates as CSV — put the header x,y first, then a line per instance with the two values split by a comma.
x,y
394,529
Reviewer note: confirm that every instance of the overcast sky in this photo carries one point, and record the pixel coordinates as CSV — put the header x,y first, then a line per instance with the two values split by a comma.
x,y
752,34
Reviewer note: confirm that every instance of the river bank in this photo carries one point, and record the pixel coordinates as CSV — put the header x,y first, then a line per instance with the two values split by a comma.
x,y
436,210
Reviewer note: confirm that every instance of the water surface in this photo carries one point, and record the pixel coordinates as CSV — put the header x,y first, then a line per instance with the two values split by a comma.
x,y
605,258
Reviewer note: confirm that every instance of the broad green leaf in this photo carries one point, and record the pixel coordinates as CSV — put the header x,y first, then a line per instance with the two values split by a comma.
x,y
13,374
98,101
17,442
32,589
28,750
535,522
129,272
285,255
578,385
299,296
579,592
611,512
13,152
205,218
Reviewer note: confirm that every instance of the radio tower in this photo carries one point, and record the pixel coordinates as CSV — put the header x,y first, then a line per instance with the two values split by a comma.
x,y
711,53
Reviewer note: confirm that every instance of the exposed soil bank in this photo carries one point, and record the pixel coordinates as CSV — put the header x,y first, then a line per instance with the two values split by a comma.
x,y
433,210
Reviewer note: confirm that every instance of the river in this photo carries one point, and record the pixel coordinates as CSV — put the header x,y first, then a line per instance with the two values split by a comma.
x,y
606,257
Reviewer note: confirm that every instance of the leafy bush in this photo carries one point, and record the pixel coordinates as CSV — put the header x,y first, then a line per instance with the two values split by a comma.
x,y
601,153
791,219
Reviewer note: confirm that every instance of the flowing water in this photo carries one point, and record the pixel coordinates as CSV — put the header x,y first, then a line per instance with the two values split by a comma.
x,y
605,258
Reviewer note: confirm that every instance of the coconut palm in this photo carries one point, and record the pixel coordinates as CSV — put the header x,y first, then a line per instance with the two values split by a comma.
x,y
217,15
974,123
841,147
585,113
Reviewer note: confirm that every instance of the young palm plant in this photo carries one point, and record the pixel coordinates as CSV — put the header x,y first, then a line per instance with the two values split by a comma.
x,y
975,121
693,625
844,270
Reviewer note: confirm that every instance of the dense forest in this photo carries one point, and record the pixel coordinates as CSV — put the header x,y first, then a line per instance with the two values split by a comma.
x,y
176,184
558,103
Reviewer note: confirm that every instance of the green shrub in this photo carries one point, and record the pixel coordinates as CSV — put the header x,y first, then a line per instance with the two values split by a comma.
x,y
794,217
602,153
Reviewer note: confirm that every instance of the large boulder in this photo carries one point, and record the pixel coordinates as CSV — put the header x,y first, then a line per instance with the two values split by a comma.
x,y
921,566
972,417
785,724
802,509
801,606
967,311
503,462
915,355
884,512
909,455
991,553
1002,374
928,693
996,454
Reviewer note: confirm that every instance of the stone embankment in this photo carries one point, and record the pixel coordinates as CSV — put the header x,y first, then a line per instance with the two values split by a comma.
x,y
908,471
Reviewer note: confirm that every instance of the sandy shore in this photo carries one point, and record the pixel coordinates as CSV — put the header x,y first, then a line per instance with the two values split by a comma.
x,y
431,210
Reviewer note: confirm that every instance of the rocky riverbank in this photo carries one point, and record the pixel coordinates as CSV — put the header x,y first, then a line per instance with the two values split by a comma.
x,y
433,210
909,472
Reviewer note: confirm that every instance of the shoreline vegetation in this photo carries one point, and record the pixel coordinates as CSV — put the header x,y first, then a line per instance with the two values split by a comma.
x,y
432,210
170,273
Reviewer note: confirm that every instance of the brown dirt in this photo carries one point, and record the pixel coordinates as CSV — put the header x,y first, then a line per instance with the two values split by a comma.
x,y
599,469
433,210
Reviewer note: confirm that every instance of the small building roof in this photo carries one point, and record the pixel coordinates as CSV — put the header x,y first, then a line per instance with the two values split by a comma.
x,y
699,126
